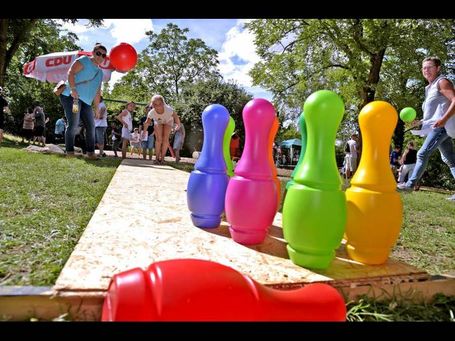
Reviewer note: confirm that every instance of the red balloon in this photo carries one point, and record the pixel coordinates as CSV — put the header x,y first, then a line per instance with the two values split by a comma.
x,y
123,57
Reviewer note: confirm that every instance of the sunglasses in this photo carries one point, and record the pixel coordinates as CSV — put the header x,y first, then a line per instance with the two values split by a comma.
x,y
99,54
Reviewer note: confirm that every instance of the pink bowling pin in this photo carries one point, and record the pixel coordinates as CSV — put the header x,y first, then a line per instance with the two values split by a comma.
x,y
251,195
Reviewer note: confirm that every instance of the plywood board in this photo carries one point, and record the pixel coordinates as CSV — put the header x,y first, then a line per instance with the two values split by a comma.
x,y
143,218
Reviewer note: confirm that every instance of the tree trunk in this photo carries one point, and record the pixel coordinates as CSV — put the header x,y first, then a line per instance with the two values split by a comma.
x,y
7,53
369,89
3,36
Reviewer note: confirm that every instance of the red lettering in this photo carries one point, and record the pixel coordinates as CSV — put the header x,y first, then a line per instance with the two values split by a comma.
x,y
58,61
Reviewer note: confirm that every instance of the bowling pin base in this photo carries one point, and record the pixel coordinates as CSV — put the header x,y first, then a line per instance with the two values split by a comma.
x,y
247,237
371,256
310,260
206,221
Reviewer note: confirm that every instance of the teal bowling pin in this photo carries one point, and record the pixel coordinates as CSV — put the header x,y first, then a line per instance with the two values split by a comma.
x,y
314,211
303,134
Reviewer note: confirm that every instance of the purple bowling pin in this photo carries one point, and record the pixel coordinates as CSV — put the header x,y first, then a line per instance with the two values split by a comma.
x,y
207,183
251,195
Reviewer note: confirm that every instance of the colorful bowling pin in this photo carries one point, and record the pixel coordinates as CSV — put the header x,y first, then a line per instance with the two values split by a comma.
x,y
251,197
207,183
200,290
226,143
273,131
303,134
374,207
314,211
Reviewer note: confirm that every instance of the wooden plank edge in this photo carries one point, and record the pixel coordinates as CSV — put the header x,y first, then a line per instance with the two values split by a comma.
x,y
45,304
87,305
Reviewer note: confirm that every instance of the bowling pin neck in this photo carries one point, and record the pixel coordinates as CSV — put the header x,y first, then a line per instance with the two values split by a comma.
x,y
215,119
255,161
318,168
377,121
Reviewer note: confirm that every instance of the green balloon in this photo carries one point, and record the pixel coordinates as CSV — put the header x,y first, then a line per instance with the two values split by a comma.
x,y
407,114
226,144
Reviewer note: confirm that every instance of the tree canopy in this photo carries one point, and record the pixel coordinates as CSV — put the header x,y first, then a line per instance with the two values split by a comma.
x,y
361,59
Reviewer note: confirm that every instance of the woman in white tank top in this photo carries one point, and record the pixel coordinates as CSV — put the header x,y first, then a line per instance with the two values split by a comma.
x,y
163,117
438,110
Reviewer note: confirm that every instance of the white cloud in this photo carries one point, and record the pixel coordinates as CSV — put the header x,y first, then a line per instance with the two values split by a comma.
x,y
112,32
128,30
238,55
78,27
115,77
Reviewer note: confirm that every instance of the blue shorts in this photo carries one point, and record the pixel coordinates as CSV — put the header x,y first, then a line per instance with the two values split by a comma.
x,y
99,135
150,143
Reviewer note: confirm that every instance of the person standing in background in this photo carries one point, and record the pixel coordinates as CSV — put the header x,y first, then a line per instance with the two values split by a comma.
x,y
179,138
148,136
59,131
83,88
3,109
126,119
100,126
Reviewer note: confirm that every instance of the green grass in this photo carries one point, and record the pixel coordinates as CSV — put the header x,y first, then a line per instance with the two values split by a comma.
x,y
46,202
441,308
427,237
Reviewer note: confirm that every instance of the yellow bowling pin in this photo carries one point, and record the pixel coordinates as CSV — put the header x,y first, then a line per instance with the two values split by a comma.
x,y
374,208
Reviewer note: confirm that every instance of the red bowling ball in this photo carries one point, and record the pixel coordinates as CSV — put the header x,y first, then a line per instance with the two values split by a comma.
x,y
123,57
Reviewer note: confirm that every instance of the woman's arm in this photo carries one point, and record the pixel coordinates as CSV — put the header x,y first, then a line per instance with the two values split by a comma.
x,y
403,157
446,88
177,120
119,117
100,112
75,68
97,100
147,123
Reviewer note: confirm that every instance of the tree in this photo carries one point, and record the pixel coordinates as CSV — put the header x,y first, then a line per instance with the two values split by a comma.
x,y
170,62
16,32
349,56
196,97
25,40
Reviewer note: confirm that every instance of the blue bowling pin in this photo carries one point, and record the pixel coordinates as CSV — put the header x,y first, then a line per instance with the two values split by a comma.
x,y
208,182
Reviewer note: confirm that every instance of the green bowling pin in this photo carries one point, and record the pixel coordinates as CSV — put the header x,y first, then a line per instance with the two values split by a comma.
x,y
226,150
314,211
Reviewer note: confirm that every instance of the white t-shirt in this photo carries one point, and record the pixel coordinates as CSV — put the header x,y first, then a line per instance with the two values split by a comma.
x,y
128,119
102,121
353,148
165,118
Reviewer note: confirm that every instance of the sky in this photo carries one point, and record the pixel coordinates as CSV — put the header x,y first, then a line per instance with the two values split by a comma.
x,y
236,50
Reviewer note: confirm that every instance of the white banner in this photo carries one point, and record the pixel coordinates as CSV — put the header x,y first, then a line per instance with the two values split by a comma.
x,y
53,67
